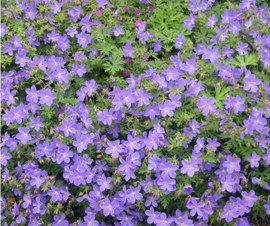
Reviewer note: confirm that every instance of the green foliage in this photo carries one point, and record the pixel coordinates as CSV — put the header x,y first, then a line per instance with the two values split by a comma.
x,y
245,60
220,95
114,64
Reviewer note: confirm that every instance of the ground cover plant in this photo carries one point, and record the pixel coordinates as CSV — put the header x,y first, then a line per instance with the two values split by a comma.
x,y
139,112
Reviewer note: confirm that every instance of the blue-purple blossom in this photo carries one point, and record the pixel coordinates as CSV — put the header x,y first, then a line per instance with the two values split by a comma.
x,y
206,104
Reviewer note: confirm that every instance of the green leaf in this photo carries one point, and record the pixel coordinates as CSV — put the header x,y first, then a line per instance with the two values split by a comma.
x,y
220,95
114,64
246,60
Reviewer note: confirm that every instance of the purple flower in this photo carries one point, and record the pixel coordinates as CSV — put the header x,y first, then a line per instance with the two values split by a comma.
x,y
242,207
83,39
8,48
108,207
227,51
56,7
189,167
67,127
63,43
27,200
169,169
74,13
86,25
199,145
238,104
229,213
38,206
212,144
254,160
16,41
190,67
266,157
163,220
167,108
195,207
118,30
59,220
189,22
134,194
250,198
188,189
179,41
46,96
90,87
71,31
251,83
64,155
114,148
22,59
152,111
206,104
78,69
37,181
175,100
235,27
31,12
102,3
242,48
106,116
129,51
5,156
137,12
104,182
157,45
267,207
55,194
4,29
171,73
152,215
142,97
232,164
212,20
211,54
151,201
24,135
166,183
61,75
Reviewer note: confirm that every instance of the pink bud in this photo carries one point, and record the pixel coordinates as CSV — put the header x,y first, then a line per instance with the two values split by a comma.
x,y
125,73
137,12
138,23
145,58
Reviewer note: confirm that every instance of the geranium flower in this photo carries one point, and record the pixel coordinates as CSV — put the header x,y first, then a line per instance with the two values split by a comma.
x,y
59,220
46,96
179,41
129,51
153,216
5,156
206,104
250,198
104,182
157,45
118,30
163,220
189,167
212,20
4,29
24,135
232,164
254,160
